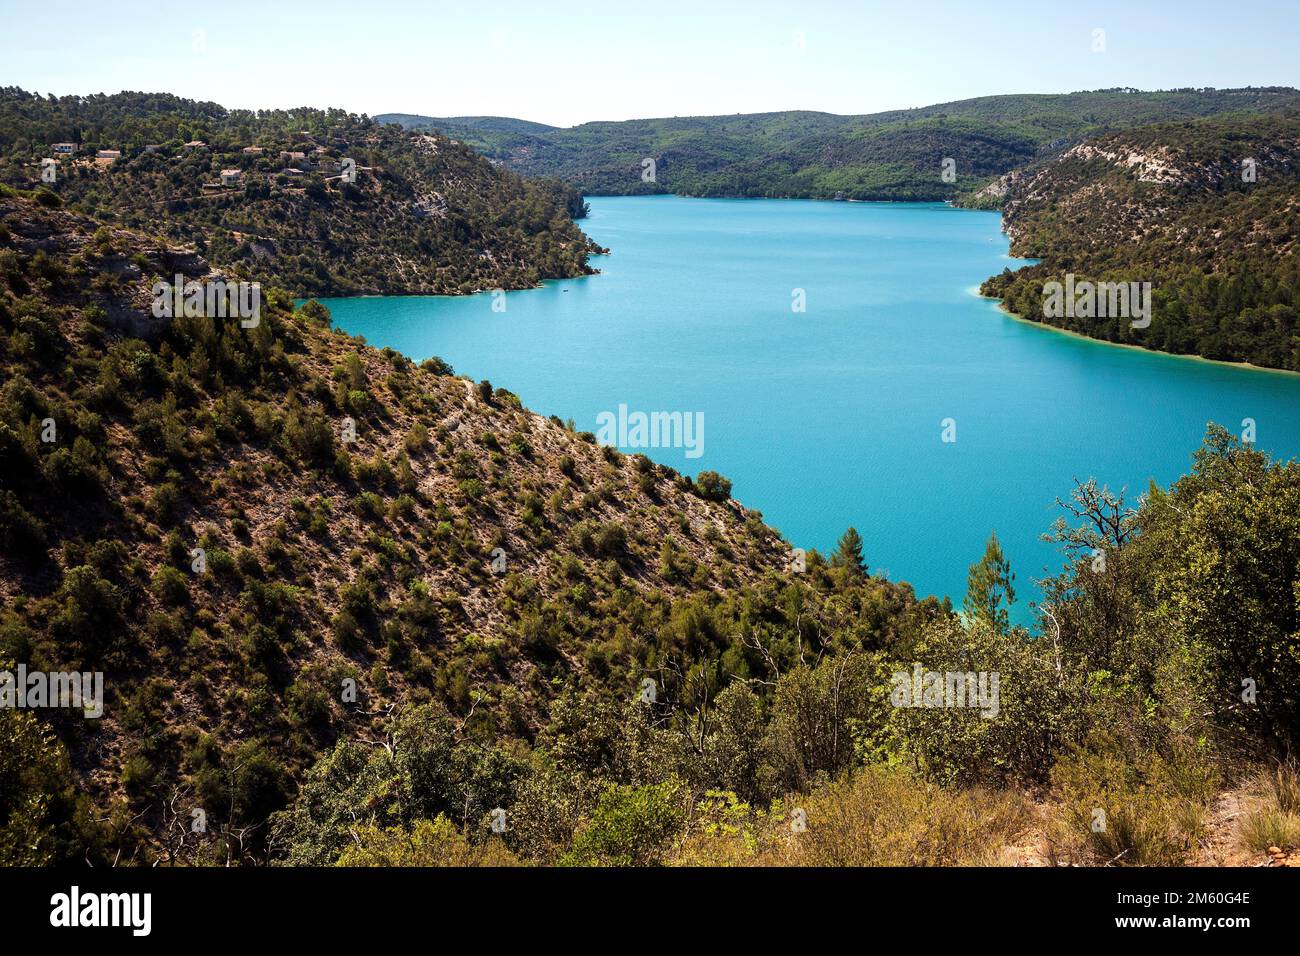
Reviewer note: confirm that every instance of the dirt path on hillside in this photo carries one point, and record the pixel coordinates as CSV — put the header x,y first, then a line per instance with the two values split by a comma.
x,y
1223,846
1220,846
1031,848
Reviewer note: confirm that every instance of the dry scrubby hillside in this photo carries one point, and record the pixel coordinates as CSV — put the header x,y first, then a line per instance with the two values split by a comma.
x,y
324,560
1169,204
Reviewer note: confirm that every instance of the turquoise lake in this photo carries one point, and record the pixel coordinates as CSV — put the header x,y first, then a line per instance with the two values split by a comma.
x,y
833,416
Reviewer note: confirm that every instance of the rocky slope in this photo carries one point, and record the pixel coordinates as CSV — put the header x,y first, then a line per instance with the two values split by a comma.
x,y
1205,211
323,202
460,550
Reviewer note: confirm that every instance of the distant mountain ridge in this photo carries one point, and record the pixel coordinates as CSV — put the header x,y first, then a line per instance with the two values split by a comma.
x,y
494,124
893,155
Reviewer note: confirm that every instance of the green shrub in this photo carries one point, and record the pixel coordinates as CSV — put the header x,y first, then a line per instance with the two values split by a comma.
x,y
434,843
711,486
307,703
1036,711
170,586
631,826
33,773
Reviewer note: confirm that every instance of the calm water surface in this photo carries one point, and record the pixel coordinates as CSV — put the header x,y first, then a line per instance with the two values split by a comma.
x,y
833,416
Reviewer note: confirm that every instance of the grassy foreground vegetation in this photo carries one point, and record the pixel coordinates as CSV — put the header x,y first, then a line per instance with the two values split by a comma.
x,y
649,679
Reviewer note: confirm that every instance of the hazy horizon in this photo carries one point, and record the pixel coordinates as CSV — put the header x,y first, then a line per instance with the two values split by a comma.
x,y
793,109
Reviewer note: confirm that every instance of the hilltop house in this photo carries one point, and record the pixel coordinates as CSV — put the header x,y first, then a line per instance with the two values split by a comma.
x,y
287,156
108,155
252,150
231,177
65,149
196,144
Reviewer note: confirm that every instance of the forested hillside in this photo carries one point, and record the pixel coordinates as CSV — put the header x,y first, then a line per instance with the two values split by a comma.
x,y
895,155
358,611
325,559
322,201
1204,210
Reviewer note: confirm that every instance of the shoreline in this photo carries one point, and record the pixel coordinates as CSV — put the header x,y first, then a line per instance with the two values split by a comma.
x,y
1245,366
830,199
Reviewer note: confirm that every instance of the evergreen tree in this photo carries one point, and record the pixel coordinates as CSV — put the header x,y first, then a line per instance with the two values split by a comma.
x,y
849,553
989,581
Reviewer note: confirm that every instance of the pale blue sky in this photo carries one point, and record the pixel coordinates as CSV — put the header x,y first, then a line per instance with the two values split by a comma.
x,y
563,62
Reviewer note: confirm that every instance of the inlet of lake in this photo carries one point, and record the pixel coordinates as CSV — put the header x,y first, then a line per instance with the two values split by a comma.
x,y
834,416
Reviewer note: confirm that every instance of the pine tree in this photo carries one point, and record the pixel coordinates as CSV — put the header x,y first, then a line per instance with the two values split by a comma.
x,y
989,581
849,553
